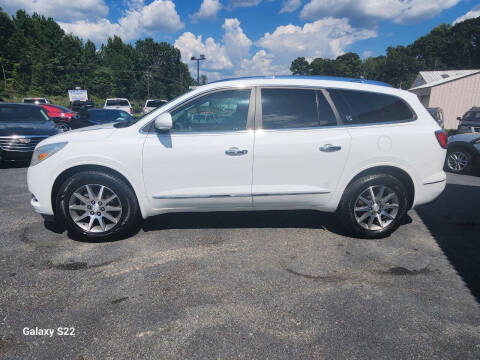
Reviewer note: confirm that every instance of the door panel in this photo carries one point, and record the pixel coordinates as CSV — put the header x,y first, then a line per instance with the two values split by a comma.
x,y
205,162
300,153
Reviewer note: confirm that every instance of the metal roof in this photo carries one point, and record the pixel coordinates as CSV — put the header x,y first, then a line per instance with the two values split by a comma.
x,y
313,77
434,78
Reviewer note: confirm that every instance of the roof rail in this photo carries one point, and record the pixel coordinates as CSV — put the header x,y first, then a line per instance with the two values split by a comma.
x,y
310,77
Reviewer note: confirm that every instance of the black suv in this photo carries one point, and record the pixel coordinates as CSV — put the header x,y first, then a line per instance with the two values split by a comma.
x,y
470,122
22,127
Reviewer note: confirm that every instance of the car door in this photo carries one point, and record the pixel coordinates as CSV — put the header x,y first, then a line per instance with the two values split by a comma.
x,y
300,152
205,161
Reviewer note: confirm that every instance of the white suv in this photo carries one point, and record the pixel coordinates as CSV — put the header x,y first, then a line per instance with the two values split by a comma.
x,y
152,104
362,149
120,104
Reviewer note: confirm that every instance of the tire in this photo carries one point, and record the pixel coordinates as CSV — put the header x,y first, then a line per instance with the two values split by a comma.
x,y
63,126
113,218
360,218
458,161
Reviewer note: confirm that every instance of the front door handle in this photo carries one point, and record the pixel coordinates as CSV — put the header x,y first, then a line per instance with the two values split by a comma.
x,y
330,148
234,151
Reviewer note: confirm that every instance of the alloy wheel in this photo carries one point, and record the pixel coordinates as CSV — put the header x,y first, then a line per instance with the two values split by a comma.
x,y
376,207
457,161
95,208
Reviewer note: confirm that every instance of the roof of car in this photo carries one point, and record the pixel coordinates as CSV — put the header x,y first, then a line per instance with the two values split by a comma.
x,y
36,106
303,77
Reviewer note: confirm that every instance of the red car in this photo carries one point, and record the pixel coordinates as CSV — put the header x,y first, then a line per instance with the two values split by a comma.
x,y
61,115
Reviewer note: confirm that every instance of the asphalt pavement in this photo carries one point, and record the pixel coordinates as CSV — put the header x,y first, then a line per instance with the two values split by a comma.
x,y
256,285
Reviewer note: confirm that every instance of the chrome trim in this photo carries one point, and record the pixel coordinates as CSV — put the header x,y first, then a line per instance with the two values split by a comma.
x,y
434,182
199,196
178,197
292,193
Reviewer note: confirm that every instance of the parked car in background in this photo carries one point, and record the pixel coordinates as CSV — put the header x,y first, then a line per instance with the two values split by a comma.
x,y
119,104
437,114
463,153
61,115
362,149
22,127
470,122
81,105
36,101
152,104
103,116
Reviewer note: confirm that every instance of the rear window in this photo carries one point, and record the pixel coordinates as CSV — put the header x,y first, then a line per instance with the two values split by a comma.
x,y
34,101
22,114
117,103
155,103
106,116
295,108
361,107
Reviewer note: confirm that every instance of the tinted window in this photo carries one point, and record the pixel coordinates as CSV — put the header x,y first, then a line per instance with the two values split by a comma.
x,y
295,108
106,116
155,103
117,103
472,115
361,107
20,113
219,111
63,108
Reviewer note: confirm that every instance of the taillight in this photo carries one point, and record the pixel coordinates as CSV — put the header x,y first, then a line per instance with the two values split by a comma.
x,y
442,138
131,111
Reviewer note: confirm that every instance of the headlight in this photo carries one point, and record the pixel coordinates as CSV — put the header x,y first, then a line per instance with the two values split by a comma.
x,y
43,152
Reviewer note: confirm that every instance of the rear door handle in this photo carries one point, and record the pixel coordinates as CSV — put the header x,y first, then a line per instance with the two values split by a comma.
x,y
330,148
234,151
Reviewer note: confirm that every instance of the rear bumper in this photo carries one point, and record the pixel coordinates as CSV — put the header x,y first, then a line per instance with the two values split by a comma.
x,y
430,190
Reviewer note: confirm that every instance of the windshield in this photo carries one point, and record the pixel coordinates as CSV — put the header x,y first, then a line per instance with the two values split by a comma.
x,y
106,116
117,102
155,103
22,114
34,101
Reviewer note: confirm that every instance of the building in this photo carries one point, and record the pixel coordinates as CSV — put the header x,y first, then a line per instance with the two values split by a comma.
x,y
454,91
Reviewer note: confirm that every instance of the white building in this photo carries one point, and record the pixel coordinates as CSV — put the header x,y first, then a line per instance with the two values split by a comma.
x,y
454,91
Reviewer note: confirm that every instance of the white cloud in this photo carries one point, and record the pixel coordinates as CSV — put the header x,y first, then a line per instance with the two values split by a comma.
x,y
244,3
208,10
368,11
158,16
62,10
475,12
323,38
237,44
290,5
262,63
366,54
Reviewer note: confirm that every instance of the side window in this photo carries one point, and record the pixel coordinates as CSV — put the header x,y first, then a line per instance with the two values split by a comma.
x,y
295,108
361,107
220,111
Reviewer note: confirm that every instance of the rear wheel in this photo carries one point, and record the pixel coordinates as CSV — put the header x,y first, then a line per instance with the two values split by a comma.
x,y
97,206
458,161
373,206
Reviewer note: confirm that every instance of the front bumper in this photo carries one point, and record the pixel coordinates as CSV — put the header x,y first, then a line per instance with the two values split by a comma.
x,y
39,181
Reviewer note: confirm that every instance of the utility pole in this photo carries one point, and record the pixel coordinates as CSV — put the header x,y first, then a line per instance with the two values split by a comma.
x,y
193,58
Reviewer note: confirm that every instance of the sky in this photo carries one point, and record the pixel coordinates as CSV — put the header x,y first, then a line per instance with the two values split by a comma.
x,y
254,37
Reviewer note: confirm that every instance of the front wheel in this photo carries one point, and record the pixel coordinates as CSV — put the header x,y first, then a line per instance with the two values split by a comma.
x,y
373,206
97,206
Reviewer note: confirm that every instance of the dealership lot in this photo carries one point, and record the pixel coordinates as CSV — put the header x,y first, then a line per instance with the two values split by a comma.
x,y
244,285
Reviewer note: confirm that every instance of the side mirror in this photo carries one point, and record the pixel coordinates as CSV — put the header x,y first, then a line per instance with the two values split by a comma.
x,y
163,122
459,118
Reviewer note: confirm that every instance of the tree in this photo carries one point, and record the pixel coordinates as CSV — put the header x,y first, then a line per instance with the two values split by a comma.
x,y
300,66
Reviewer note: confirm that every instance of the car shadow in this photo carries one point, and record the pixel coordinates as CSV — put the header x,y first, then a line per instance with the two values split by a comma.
x,y
454,221
14,164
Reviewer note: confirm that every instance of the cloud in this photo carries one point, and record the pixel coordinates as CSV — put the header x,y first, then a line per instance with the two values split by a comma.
x,y
366,54
370,11
290,6
62,10
245,3
231,56
475,12
158,16
208,10
323,38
